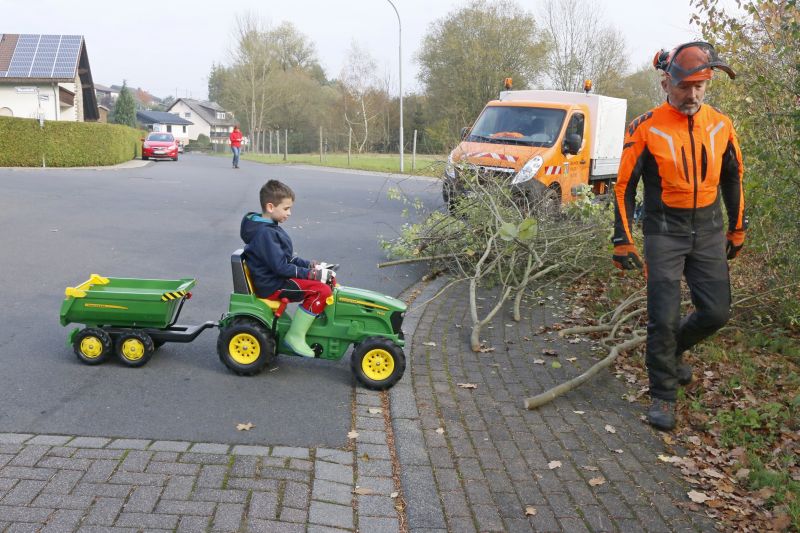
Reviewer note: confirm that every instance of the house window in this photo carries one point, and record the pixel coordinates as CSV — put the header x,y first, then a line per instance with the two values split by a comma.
x,y
169,128
220,115
184,129
187,115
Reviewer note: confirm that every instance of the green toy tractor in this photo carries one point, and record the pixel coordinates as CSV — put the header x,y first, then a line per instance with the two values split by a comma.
x,y
252,329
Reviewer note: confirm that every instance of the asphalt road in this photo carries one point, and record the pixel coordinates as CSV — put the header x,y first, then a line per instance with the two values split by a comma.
x,y
175,220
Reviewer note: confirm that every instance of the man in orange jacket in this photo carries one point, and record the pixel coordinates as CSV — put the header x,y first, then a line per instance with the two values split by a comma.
x,y
687,155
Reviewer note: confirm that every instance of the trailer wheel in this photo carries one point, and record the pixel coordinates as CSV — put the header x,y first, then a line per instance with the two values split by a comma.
x,y
246,347
92,346
135,348
377,363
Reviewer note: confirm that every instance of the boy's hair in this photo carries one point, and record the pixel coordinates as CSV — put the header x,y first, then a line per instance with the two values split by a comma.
x,y
274,192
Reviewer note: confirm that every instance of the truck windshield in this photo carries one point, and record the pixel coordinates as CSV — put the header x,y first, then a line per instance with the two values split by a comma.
x,y
530,126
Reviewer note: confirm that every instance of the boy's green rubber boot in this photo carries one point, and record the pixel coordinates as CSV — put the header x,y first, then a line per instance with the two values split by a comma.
x,y
295,338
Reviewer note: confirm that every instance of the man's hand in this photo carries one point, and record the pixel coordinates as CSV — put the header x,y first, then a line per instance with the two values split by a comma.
x,y
735,243
626,257
321,274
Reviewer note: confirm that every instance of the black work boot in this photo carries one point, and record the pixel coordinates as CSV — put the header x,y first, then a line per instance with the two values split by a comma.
x,y
684,373
661,414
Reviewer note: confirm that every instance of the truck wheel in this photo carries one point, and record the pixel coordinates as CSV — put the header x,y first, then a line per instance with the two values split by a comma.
x,y
135,348
378,363
246,346
92,346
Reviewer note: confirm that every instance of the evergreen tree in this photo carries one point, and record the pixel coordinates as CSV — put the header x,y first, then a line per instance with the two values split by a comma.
x,y
125,108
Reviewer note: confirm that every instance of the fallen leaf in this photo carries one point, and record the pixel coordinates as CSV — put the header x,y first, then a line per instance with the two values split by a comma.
x,y
555,364
610,428
668,440
554,464
363,491
530,510
375,410
590,468
669,458
352,435
526,338
619,450
394,495
548,351
245,427
572,359
766,493
595,481
698,497
574,341
429,344
486,349
579,412
507,325
538,361
467,385
365,457
710,472
694,439
781,522
440,431
743,473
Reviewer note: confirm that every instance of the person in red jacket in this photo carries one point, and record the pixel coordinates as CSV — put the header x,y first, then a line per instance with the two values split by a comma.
x,y
236,145
687,155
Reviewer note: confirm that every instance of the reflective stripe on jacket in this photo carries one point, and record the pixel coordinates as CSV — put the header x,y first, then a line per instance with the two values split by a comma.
x,y
684,161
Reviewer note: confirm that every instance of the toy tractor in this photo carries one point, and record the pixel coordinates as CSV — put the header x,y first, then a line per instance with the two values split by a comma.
x,y
133,317
252,329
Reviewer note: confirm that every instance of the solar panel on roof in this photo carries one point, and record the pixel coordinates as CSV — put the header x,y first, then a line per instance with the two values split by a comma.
x,y
45,56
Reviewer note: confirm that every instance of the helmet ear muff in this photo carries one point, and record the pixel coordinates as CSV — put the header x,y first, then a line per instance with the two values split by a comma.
x,y
661,60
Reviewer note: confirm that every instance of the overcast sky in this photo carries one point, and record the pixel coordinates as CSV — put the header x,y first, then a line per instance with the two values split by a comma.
x,y
169,46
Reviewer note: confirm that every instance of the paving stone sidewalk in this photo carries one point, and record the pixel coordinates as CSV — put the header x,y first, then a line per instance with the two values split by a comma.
x,y
475,459
59,483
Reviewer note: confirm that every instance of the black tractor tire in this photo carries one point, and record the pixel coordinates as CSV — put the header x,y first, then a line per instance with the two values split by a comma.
x,y
92,346
245,346
135,348
377,363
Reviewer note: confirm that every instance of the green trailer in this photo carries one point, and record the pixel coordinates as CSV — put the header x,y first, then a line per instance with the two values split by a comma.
x,y
130,316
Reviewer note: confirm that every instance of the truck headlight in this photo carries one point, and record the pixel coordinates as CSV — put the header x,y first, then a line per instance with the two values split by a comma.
x,y
528,171
450,168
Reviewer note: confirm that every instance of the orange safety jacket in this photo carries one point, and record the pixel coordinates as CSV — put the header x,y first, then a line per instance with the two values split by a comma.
x,y
684,161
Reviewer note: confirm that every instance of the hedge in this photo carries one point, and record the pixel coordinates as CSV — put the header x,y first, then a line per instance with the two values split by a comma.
x,y
66,144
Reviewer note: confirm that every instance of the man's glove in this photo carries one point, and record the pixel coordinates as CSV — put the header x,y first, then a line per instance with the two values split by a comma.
x,y
626,257
321,274
735,243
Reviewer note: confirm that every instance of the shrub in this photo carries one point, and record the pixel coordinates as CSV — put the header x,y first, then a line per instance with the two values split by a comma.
x,y
65,144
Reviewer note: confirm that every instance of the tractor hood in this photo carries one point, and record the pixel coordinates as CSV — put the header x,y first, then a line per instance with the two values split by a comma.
x,y
369,299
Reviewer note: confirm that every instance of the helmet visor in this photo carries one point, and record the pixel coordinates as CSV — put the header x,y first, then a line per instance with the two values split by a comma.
x,y
694,62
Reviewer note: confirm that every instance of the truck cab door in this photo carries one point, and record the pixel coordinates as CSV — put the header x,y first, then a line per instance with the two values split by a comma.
x,y
576,165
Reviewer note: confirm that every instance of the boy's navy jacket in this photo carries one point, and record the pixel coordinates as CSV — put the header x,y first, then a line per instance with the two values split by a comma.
x,y
269,256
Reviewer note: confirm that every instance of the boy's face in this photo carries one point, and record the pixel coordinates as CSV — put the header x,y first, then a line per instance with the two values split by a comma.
x,y
281,212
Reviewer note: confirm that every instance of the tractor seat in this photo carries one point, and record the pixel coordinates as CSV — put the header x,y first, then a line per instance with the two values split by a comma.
x,y
242,284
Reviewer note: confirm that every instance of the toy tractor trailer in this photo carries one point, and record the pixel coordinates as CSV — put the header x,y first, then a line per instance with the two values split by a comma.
x,y
542,143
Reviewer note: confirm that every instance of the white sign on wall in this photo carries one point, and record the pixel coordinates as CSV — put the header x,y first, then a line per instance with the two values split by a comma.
x,y
26,90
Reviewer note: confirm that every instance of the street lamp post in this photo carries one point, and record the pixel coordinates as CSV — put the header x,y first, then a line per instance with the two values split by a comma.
x,y
400,67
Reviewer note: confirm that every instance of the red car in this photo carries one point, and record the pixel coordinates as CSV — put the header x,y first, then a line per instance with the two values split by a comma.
x,y
160,146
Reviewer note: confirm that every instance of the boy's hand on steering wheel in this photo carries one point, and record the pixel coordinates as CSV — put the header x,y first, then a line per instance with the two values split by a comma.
x,y
321,274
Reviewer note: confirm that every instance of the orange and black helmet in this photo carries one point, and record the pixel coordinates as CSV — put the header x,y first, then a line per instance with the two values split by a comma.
x,y
691,62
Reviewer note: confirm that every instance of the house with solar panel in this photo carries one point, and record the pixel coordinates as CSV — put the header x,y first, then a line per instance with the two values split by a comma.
x,y
209,119
46,77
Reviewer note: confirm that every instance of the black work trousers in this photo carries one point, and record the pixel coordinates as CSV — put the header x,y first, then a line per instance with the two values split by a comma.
x,y
701,260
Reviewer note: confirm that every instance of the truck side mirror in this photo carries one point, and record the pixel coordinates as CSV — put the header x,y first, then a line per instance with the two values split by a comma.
x,y
464,132
572,144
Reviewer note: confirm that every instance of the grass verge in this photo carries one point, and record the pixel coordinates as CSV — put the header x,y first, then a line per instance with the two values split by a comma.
x,y
426,165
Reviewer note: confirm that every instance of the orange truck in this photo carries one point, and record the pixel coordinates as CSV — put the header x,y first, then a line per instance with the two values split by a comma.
x,y
545,144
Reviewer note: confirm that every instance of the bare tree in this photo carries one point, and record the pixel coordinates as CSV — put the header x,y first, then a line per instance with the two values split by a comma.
x,y
582,46
359,79
253,62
